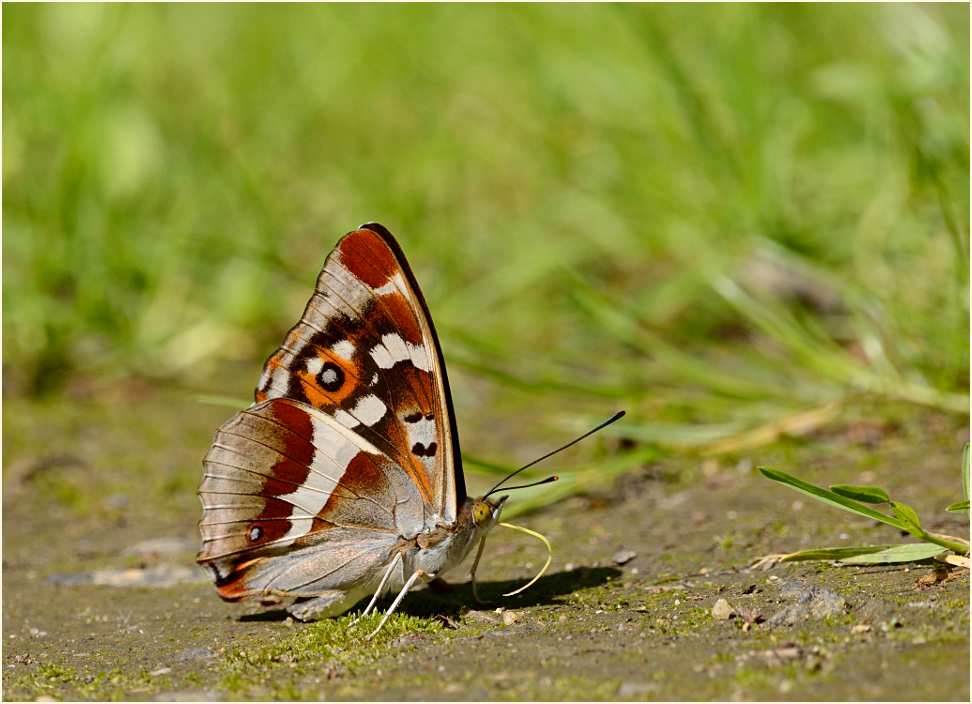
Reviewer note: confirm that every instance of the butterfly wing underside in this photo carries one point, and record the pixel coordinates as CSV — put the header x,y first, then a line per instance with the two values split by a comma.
x,y
350,446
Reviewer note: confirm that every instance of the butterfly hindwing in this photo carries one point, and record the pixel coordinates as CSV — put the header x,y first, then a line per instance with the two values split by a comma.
x,y
282,477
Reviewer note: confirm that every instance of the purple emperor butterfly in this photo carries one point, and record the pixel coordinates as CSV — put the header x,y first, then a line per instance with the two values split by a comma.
x,y
344,478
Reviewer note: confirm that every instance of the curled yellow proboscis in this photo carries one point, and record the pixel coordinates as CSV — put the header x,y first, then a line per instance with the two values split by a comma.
x,y
549,555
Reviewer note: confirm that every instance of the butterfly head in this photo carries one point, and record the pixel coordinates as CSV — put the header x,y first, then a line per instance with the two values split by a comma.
x,y
486,511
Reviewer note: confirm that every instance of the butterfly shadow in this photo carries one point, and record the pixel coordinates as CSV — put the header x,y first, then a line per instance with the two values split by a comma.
x,y
437,601
546,590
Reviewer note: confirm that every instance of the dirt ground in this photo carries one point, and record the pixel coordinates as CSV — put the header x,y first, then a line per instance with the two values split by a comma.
x,y
102,600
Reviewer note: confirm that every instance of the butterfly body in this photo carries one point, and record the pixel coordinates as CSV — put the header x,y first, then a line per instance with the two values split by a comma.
x,y
344,478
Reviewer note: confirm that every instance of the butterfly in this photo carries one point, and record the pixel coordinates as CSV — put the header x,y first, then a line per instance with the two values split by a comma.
x,y
344,477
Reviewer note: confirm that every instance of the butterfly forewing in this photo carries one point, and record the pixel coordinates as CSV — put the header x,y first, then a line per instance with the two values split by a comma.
x,y
365,351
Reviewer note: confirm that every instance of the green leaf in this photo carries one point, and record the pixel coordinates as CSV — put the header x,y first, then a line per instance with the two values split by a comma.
x,y
830,497
909,552
965,471
909,518
960,507
867,494
835,553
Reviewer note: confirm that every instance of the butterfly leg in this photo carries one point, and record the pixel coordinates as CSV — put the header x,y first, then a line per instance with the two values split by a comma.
x,y
472,572
381,587
398,600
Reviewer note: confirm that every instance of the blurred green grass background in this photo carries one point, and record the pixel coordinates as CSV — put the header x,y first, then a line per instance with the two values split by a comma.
x,y
732,220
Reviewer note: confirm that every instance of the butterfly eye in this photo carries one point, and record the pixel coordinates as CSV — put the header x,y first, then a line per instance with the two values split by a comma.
x,y
256,532
482,514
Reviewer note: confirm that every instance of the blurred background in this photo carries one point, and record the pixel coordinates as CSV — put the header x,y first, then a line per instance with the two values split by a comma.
x,y
734,221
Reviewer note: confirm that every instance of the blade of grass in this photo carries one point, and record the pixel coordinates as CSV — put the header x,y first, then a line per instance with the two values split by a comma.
x,y
913,526
796,424
612,318
965,472
575,482
830,497
910,552
826,357
835,553
867,494
907,515
774,320
484,467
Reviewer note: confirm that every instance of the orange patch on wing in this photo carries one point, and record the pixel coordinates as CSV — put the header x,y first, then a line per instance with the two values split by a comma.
x,y
318,397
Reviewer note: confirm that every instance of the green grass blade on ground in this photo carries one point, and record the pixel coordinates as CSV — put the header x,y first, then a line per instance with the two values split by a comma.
x,y
965,471
870,553
912,552
866,494
905,517
963,506
830,497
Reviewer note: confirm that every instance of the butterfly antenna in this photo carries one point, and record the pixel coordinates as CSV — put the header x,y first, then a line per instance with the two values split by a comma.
x,y
606,423
527,486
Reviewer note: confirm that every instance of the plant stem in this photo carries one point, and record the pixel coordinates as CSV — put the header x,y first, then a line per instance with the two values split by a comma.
x,y
955,547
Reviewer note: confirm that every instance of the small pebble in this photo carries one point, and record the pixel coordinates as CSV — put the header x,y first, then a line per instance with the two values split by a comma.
x,y
812,603
483,616
721,611
623,557
509,618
